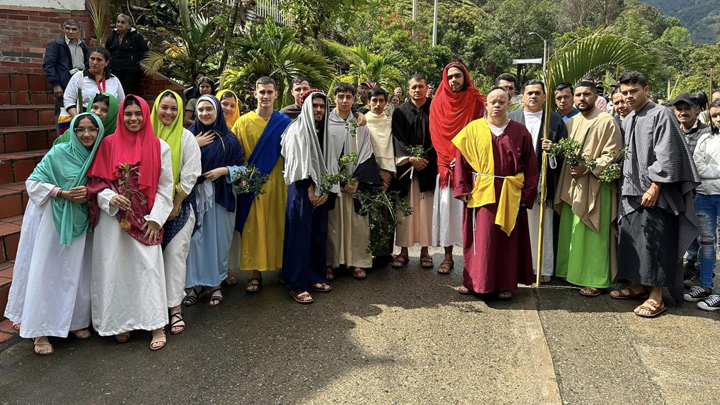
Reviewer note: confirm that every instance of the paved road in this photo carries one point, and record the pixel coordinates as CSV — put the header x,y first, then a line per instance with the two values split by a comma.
x,y
401,336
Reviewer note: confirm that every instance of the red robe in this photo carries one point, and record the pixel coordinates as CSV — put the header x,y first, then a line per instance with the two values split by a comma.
x,y
492,260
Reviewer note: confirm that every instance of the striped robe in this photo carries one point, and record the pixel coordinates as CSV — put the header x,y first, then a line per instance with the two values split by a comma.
x,y
653,240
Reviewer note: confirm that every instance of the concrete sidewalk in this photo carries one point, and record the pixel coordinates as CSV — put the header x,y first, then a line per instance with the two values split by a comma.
x,y
401,336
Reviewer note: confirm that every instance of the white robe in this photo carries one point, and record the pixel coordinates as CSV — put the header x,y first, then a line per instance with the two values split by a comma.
x,y
128,278
176,252
447,217
50,292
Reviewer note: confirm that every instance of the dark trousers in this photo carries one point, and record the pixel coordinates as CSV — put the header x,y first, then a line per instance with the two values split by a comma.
x,y
130,81
305,245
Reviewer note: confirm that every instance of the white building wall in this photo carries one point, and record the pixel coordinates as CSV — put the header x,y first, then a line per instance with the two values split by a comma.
x,y
54,4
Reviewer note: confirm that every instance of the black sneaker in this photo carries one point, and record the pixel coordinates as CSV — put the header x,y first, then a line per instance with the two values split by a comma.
x,y
697,293
710,304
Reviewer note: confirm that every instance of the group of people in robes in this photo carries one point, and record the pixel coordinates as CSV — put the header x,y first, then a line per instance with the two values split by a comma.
x,y
132,216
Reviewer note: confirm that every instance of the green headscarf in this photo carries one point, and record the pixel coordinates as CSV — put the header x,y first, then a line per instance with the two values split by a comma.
x,y
172,134
110,121
65,166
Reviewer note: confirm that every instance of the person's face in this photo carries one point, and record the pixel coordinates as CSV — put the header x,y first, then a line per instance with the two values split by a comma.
x,y
71,31
99,108
363,92
298,89
431,90
122,25
564,101
206,113
168,110
87,132
398,92
456,79
97,63
229,105
318,110
498,103
508,85
715,116
378,103
585,98
205,88
395,100
133,118
686,114
344,101
417,89
715,96
635,95
534,98
198,77
620,106
265,95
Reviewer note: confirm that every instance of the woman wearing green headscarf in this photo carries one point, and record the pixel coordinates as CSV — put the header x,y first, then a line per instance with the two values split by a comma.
x,y
50,293
105,106
168,125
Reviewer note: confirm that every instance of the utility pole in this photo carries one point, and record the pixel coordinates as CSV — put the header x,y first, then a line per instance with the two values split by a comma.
x,y
414,14
435,22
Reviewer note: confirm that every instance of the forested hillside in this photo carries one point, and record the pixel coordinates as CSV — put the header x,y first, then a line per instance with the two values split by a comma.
x,y
700,17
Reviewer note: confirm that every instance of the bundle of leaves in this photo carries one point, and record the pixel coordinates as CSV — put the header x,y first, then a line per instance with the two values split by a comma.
x,y
416,151
572,151
342,177
382,227
249,181
612,172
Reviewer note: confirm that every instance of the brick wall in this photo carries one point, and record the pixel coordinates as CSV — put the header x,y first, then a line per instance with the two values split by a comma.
x,y
24,33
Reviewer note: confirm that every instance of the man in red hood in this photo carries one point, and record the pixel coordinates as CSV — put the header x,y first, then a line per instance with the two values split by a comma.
x,y
455,104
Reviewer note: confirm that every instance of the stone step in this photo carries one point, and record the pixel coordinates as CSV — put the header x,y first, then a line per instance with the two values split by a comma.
x,y
16,167
6,271
27,138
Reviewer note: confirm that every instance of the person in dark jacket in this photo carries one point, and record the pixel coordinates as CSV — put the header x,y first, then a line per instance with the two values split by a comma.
x,y
64,56
127,47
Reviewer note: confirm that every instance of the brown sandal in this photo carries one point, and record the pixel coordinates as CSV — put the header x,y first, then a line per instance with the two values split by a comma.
x,y
590,292
505,295
302,297
122,337
628,293
446,266
321,287
329,275
254,285
650,309
426,262
400,261
359,273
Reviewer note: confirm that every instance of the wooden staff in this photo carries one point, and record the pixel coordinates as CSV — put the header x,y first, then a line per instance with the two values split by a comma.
x,y
543,177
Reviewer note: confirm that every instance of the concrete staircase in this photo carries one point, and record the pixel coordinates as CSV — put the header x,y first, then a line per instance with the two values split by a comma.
x,y
27,131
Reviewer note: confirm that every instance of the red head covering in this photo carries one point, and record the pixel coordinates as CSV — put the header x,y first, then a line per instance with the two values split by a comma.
x,y
449,113
140,148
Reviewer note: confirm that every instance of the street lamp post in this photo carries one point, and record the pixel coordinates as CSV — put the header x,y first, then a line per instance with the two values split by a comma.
x,y
544,49
435,21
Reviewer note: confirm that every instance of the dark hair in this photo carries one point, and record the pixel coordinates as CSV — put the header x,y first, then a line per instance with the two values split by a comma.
x,y
633,78
265,80
616,91
71,21
299,80
666,103
587,83
166,94
653,98
227,95
378,91
702,99
344,88
508,77
715,104
503,88
563,86
534,82
209,81
102,51
100,98
417,77
130,101
196,74
89,117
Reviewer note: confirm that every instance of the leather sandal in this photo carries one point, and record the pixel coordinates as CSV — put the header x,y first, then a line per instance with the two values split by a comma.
x,y
628,293
590,292
43,346
330,274
158,342
254,285
359,273
178,316
426,262
446,266
81,333
122,337
302,297
193,296
650,309
400,261
321,287
215,300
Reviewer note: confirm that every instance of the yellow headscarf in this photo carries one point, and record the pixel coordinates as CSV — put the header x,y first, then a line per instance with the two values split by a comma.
x,y
475,143
235,115
172,134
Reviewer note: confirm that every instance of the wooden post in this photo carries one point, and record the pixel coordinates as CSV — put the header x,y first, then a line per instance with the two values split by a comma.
x,y
543,182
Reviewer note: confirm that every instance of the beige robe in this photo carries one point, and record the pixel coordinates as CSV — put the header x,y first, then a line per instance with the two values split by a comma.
x,y
382,140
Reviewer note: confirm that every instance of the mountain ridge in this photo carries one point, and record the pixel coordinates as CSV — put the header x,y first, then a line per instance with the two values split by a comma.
x,y
700,17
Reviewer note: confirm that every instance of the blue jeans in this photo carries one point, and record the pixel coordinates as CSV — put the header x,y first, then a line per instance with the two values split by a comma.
x,y
707,208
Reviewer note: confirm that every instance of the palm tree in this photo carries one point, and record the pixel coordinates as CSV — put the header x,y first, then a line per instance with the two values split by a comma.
x,y
597,53
365,66
199,40
271,50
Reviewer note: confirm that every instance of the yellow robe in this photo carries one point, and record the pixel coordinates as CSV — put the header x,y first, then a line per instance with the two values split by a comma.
x,y
264,231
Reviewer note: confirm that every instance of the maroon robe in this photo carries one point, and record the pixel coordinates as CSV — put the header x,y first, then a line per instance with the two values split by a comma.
x,y
492,260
